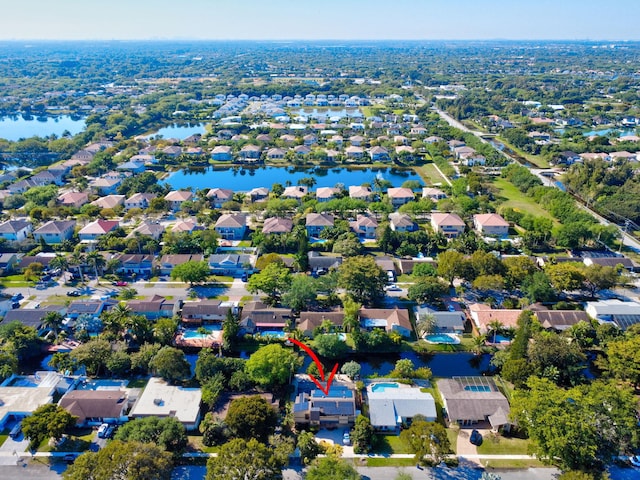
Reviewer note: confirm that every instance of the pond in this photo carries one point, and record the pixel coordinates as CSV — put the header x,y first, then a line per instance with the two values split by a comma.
x,y
16,127
180,131
245,179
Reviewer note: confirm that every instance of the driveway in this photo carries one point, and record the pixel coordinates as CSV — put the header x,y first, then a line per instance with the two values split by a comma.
x,y
335,437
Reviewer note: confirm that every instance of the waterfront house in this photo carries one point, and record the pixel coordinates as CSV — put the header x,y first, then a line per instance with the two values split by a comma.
x,y
176,198
231,226
219,196
207,312
449,224
313,408
361,193
155,307
222,153
388,319
399,196
257,317
324,194
295,192
391,408
433,193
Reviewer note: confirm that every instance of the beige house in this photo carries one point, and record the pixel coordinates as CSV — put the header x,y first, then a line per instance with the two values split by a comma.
x,y
449,224
491,224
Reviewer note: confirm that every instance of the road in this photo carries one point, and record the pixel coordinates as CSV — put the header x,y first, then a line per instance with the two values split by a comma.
x,y
628,240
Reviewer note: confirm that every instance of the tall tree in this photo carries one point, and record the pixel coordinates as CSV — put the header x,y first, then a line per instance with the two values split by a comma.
x,y
170,363
450,264
331,468
251,417
47,421
241,459
363,279
273,281
427,438
167,433
191,272
272,365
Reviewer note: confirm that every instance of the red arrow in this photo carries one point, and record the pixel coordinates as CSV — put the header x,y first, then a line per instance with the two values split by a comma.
x,y
314,357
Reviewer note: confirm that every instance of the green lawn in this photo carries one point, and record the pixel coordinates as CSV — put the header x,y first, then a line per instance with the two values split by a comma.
x,y
517,200
3,437
389,444
536,160
513,464
430,174
77,441
14,281
138,383
494,444
195,443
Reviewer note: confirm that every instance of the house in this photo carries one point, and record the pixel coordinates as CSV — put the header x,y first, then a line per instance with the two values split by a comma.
x,y
73,199
159,399
31,317
88,308
15,230
109,201
406,265
356,140
323,263
567,158
483,316
105,186
8,262
55,231
361,193
277,225
258,194
470,400
221,153
387,265
132,166
20,402
48,177
614,262
401,222
399,196
449,224
168,262
172,151
560,320
365,227
433,193
185,226
296,192
250,152
324,194
148,228
207,311
97,228
312,407
230,264
392,408
622,314
257,317
379,154
317,222
219,196
139,200
231,226
388,319
444,322
309,321
136,263
354,153
176,198
93,407
155,307
276,153
491,224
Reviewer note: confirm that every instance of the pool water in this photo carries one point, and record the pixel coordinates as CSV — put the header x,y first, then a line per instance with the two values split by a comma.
x,y
442,338
102,385
477,388
499,339
191,333
272,333
381,387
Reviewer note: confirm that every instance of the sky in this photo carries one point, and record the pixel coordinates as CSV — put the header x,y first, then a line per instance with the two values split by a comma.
x,y
320,19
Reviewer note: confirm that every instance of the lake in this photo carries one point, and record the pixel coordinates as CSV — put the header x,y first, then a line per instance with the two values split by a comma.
x,y
16,127
244,179
180,131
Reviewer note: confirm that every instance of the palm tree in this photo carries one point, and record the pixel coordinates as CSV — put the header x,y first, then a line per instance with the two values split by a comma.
x,y
61,262
97,261
53,320
77,260
478,344
496,327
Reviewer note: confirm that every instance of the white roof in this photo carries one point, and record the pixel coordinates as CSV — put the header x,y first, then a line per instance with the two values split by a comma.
x,y
389,406
163,400
23,400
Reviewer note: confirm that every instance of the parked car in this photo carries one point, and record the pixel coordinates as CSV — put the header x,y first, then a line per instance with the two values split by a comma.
x,y
476,438
109,431
17,297
120,283
346,438
74,293
393,288
15,431
102,430
635,460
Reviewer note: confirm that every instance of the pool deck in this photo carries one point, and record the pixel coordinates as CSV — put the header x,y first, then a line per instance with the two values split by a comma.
x,y
213,339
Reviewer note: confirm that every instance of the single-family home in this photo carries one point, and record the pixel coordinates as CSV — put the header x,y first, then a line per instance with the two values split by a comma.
x,y
132,166
324,194
148,228
276,153
231,264
401,222
559,320
388,319
97,228
109,201
295,192
379,154
161,400
219,196
31,317
139,200
258,318
207,312
354,153
309,321
221,153
444,322
470,400
93,407
155,307
314,408
55,231
317,222
491,224
185,226
356,140
139,263
20,402
449,224
400,195
275,225
106,186
168,262
250,153
231,226
73,199
392,408
611,261
322,263
622,314
361,192
8,262
484,316
433,193
176,198
258,194
364,227
15,230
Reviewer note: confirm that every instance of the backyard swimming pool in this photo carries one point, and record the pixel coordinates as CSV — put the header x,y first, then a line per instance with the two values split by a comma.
x,y
102,385
272,333
381,387
477,388
442,338
191,334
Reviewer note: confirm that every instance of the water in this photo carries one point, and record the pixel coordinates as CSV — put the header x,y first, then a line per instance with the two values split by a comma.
x,y
445,365
245,179
271,333
180,131
477,388
103,385
441,338
326,113
618,131
190,333
381,387
16,127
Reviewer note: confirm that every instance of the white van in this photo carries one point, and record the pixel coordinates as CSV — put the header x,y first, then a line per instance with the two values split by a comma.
x,y
102,430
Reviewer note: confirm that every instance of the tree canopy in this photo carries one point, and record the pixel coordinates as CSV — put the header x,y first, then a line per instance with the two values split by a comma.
x,y
251,417
47,421
272,365
363,279
241,459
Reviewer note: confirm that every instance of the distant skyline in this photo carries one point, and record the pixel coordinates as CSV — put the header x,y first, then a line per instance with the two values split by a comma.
x,y
616,20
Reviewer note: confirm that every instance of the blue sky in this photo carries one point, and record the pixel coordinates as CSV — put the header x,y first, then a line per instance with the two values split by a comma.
x,y
320,19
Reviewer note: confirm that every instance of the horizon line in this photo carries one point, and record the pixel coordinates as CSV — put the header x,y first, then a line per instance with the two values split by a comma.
x,y
289,40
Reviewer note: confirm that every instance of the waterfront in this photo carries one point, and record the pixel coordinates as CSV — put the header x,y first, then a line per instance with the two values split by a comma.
x,y
18,126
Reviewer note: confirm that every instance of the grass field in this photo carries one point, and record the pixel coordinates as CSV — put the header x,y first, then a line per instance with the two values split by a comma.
x,y
390,444
517,200
499,445
430,174
534,159
513,464
14,281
